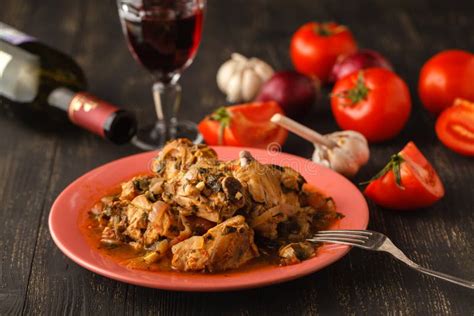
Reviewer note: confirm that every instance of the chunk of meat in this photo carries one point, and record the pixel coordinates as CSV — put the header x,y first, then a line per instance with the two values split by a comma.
x,y
162,223
207,192
267,185
179,155
137,222
318,199
109,237
197,183
136,186
259,180
190,254
279,209
225,246
284,221
141,201
266,224
296,252
128,191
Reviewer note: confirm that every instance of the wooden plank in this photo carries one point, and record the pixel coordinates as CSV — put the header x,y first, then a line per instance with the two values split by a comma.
x,y
361,283
25,167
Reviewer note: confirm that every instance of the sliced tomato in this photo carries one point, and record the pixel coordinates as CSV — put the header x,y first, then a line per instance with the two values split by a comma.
x,y
407,182
243,125
455,127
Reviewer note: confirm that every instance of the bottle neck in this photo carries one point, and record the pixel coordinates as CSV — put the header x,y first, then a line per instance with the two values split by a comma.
x,y
61,98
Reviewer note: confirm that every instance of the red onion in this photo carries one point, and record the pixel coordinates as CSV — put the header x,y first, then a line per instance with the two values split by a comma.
x,y
294,92
362,59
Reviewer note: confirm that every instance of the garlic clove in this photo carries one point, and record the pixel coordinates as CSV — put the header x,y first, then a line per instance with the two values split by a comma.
x,y
354,143
239,58
343,162
251,83
224,74
263,70
320,156
233,87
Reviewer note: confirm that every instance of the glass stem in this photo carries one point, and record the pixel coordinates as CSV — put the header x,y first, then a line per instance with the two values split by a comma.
x,y
167,98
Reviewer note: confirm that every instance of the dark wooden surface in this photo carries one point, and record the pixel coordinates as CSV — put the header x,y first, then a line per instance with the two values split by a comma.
x,y
36,278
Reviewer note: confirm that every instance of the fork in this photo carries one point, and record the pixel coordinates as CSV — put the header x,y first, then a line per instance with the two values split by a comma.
x,y
370,240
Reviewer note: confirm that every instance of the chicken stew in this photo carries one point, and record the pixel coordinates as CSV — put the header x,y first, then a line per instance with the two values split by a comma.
x,y
195,213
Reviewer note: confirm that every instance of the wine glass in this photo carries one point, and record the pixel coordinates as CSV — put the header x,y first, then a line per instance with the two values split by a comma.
x,y
163,36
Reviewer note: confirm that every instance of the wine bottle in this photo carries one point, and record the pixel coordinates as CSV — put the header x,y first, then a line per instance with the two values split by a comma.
x,y
43,83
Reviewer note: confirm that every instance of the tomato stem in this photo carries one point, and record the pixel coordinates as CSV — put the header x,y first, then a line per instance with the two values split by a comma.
x,y
358,93
394,165
223,117
323,29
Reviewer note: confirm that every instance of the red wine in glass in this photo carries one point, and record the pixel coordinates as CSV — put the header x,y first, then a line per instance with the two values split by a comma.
x,y
163,36
164,42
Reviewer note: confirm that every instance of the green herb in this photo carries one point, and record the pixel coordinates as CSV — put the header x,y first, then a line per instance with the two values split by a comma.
x,y
229,230
394,165
323,29
150,196
339,215
160,167
223,117
356,94
213,183
140,185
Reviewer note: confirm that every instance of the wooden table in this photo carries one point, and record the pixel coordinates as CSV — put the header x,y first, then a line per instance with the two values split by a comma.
x,y
36,278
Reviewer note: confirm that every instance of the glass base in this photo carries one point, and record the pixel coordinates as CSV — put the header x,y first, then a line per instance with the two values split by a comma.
x,y
154,136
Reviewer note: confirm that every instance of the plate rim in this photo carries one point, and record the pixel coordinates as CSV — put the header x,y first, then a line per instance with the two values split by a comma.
x,y
341,251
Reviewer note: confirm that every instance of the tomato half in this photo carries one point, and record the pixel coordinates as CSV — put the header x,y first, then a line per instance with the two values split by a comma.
x,y
444,77
246,125
315,47
407,182
455,127
374,102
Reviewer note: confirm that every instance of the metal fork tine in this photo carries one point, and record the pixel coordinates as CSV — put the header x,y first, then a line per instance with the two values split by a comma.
x,y
340,239
361,232
334,241
337,234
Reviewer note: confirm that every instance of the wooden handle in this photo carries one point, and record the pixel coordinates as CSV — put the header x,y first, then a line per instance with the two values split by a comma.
x,y
302,131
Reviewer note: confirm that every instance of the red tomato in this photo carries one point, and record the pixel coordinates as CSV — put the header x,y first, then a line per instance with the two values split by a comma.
x,y
407,182
315,47
374,102
446,76
243,125
455,127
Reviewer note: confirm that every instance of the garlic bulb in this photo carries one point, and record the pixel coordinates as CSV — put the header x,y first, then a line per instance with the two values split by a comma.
x,y
240,78
344,152
351,151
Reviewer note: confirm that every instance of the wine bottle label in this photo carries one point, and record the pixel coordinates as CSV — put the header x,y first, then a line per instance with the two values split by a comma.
x,y
89,112
5,59
19,73
13,36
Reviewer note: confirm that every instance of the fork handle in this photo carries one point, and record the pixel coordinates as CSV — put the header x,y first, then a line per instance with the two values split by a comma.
x,y
389,247
444,276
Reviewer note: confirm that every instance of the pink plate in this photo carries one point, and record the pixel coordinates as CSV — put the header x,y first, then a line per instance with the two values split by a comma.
x,y
80,195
